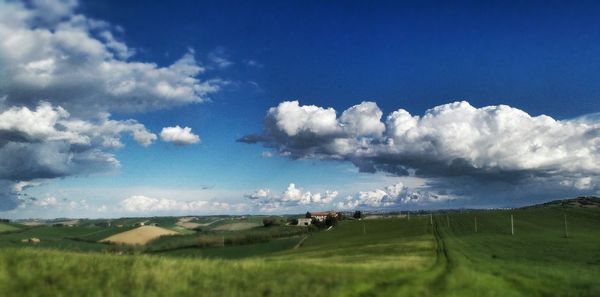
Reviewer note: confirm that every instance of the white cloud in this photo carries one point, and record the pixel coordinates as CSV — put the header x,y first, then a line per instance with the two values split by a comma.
x,y
363,120
449,142
291,196
46,202
144,204
259,194
298,195
391,196
179,136
292,119
219,58
267,154
77,63
47,143
81,71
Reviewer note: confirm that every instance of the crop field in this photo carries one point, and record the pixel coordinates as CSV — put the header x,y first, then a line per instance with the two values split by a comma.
x,y
471,253
139,236
7,227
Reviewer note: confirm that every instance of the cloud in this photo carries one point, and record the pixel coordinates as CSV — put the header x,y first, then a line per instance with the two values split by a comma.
x,y
218,57
267,154
46,202
259,194
253,63
179,136
265,200
299,196
47,143
61,75
449,143
77,63
393,196
144,204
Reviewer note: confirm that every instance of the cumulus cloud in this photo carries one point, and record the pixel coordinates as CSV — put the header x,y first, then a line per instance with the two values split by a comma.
x,y
259,194
396,195
179,136
61,75
144,204
292,196
77,63
450,142
47,143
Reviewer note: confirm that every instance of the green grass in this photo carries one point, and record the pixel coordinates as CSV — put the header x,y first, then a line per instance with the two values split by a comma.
x,y
295,272
8,227
235,251
64,238
387,257
536,261
217,238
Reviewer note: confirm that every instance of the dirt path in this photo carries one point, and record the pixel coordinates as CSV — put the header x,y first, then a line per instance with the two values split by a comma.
x,y
299,244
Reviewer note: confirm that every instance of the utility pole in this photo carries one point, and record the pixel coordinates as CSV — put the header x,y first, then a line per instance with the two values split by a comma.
x,y
408,216
475,224
431,219
512,225
566,230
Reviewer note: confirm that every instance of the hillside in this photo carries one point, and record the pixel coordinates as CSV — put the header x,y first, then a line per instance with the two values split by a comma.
x,y
584,202
7,227
461,254
139,236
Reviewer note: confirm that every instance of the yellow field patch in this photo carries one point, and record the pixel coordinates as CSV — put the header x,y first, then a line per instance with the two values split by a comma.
x,y
139,236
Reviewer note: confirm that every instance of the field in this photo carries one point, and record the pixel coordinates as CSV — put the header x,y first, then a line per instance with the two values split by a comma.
x,y
379,257
7,227
237,226
139,236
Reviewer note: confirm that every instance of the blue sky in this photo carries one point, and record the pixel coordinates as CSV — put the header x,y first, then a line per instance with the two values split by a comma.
x,y
536,57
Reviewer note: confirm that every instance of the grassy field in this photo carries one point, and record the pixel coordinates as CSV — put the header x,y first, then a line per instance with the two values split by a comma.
x,y
7,227
64,238
538,260
387,257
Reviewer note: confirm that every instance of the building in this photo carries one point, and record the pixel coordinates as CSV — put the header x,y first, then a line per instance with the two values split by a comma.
x,y
304,222
321,215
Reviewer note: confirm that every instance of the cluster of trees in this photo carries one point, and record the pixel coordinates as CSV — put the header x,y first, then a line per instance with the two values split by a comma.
x,y
4,221
270,222
102,224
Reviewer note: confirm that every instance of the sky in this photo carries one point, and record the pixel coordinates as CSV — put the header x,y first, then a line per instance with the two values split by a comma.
x,y
138,108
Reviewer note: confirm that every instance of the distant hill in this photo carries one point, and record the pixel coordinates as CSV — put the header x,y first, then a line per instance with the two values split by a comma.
x,y
584,202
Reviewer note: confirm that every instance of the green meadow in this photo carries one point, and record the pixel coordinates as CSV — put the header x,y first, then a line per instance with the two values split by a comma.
x,y
7,227
441,255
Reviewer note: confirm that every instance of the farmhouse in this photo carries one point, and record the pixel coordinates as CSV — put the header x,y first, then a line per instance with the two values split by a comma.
x,y
321,215
304,221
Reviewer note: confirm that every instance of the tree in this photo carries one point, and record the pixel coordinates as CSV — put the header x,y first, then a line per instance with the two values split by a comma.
x,y
268,222
357,214
308,215
330,220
